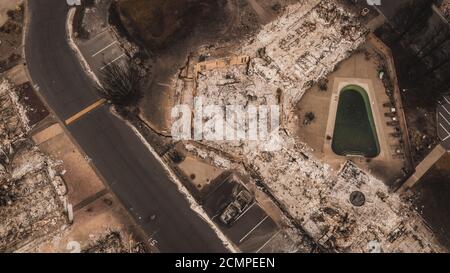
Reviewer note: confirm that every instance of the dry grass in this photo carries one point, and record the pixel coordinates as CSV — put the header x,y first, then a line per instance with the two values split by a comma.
x,y
158,22
146,16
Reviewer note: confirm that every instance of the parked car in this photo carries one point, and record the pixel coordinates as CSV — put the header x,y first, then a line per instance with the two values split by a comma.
x,y
242,200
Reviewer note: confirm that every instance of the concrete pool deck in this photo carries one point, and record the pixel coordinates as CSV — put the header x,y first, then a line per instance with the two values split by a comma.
x,y
360,69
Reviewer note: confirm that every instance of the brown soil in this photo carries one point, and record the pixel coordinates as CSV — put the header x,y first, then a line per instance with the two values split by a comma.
x,y
81,180
199,172
101,223
158,23
35,109
419,104
11,39
421,86
431,198
360,66
172,30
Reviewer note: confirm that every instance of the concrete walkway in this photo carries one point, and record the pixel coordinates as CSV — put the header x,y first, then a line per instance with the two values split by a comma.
x,y
423,167
387,53
264,16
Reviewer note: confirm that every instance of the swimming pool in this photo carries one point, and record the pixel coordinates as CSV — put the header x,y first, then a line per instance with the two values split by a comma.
x,y
354,131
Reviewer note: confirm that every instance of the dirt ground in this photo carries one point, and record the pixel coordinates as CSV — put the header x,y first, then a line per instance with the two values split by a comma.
x,y
17,75
420,114
91,18
82,182
36,111
201,173
10,37
34,107
205,172
431,197
92,223
162,24
5,6
198,171
385,167
172,30
415,53
100,223
157,102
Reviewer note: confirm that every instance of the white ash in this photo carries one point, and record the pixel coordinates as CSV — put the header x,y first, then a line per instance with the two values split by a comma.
x,y
290,54
30,206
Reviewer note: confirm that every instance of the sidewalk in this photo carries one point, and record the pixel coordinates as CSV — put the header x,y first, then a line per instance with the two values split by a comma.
x,y
423,167
96,211
386,52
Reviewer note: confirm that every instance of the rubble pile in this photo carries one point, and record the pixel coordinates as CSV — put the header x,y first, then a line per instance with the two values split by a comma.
x,y
211,156
12,126
320,199
286,58
31,203
321,32
445,8
303,46
113,242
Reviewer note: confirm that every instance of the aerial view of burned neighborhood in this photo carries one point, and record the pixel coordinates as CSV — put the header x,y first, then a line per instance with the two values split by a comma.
x,y
224,126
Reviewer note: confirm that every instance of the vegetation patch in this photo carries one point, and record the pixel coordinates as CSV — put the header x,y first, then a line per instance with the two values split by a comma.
x,y
121,84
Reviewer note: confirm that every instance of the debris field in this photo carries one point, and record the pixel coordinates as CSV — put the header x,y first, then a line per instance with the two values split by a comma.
x,y
289,55
31,192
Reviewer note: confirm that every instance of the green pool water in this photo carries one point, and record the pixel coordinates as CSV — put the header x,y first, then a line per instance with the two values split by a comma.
x,y
354,130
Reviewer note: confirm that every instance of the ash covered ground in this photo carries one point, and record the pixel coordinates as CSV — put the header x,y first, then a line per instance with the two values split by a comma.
x,y
287,56
305,41
31,192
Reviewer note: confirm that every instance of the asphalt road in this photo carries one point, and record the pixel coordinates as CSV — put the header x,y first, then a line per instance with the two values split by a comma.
x,y
129,168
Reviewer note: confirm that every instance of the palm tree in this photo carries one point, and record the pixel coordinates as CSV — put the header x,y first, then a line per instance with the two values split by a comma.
x,y
121,84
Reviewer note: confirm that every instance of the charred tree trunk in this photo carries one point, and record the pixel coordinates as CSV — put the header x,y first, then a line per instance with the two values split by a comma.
x,y
121,84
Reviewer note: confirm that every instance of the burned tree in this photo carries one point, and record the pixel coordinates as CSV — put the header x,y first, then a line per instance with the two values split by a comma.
x,y
121,84
309,118
323,84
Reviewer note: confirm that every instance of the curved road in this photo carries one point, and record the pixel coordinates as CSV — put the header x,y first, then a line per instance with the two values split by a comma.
x,y
131,171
